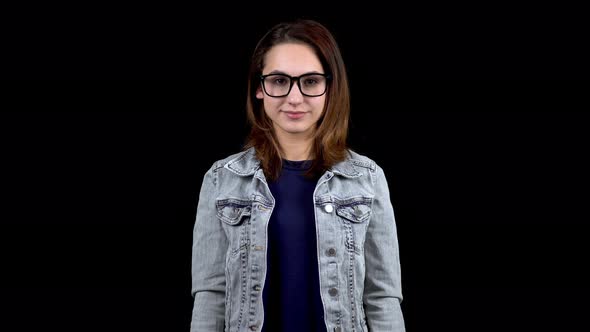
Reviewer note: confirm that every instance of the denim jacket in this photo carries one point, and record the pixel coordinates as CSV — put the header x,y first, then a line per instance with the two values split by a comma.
x,y
358,257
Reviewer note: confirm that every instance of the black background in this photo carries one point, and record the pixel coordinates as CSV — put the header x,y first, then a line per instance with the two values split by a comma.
x,y
487,171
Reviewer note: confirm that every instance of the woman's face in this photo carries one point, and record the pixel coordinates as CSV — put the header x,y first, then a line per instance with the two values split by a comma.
x,y
294,115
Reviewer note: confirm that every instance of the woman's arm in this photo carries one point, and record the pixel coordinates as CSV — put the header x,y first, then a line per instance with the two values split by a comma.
x,y
382,291
208,261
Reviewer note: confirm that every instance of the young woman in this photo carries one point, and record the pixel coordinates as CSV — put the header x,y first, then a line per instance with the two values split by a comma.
x,y
296,232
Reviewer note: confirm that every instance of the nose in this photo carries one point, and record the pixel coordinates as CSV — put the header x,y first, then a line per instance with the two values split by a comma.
x,y
295,96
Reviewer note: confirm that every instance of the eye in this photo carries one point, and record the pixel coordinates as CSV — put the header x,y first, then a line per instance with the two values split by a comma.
x,y
277,80
310,81
313,80
280,81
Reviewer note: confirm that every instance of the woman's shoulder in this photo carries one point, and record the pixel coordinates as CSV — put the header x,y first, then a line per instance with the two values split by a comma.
x,y
240,156
367,165
362,160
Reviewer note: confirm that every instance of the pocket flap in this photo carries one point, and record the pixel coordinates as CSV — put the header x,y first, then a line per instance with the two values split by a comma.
x,y
233,210
355,209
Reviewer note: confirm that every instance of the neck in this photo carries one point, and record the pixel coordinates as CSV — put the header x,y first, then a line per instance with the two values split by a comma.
x,y
295,148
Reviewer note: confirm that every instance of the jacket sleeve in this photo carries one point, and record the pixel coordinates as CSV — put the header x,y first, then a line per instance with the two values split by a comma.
x,y
382,290
209,247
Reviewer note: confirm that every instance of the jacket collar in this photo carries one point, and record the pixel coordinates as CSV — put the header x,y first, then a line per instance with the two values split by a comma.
x,y
245,163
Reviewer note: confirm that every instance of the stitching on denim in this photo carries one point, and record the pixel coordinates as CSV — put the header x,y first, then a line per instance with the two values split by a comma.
x,y
227,297
244,278
351,287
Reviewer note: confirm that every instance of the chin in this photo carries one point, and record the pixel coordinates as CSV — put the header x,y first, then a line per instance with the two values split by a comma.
x,y
297,131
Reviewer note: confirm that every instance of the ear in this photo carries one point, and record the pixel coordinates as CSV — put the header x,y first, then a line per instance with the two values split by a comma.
x,y
259,93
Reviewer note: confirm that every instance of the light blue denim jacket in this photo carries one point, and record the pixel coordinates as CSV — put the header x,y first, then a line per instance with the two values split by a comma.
x,y
358,257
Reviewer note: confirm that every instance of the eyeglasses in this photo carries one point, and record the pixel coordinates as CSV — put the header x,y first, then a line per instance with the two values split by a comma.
x,y
310,85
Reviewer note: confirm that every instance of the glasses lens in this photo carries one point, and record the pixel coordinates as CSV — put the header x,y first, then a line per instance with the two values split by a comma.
x,y
313,84
277,85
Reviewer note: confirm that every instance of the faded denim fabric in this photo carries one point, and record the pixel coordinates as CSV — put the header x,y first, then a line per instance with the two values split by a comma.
x,y
356,232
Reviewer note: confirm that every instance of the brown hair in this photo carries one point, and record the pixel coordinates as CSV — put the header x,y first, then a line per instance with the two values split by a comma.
x,y
329,139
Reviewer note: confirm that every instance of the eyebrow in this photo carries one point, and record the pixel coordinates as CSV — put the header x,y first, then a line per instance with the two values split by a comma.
x,y
283,73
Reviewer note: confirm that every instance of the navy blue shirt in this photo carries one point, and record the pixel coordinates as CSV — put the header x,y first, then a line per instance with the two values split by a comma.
x,y
291,293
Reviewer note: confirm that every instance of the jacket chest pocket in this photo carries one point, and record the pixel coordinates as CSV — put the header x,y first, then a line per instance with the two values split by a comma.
x,y
354,213
235,215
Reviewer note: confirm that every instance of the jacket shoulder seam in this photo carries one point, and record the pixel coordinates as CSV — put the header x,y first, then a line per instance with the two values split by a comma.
x,y
358,159
222,162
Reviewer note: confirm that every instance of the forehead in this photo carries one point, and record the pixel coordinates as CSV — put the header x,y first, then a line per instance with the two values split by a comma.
x,y
291,58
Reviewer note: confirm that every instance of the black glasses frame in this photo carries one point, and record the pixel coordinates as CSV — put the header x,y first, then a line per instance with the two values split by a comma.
x,y
294,79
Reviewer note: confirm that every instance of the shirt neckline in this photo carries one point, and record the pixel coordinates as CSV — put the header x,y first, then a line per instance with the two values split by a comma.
x,y
297,164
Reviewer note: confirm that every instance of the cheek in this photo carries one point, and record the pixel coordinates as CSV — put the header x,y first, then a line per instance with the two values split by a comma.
x,y
319,105
267,111
271,105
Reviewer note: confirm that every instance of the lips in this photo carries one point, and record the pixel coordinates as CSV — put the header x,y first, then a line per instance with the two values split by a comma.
x,y
294,115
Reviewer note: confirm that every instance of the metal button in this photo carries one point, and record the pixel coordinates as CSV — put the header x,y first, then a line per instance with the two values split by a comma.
x,y
357,211
253,328
257,287
331,252
333,292
329,208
